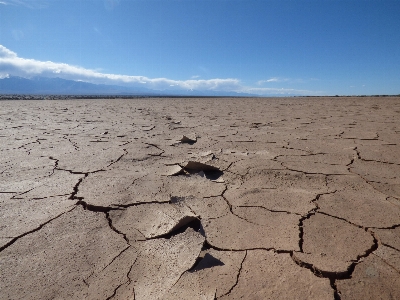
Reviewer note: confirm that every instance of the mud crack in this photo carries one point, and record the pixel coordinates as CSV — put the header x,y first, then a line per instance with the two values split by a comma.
x,y
237,277
33,230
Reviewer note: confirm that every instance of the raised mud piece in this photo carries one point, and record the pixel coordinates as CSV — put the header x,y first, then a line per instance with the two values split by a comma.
x,y
189,139
161,263
151,220
214,275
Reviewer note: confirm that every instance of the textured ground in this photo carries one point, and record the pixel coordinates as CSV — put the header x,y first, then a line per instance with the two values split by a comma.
x,y
295,198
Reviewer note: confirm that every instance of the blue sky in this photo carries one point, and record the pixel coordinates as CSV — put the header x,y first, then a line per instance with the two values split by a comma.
x,y
323,47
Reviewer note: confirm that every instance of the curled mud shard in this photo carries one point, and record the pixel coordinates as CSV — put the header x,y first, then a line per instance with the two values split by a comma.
x,y
295,198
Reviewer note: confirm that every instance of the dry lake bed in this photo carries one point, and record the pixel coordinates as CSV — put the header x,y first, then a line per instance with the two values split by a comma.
x,y
225,198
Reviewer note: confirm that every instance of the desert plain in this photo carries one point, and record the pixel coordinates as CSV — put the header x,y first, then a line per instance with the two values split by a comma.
x,y
209,198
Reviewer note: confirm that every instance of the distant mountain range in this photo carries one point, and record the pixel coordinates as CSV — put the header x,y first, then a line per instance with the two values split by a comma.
x,y
59,86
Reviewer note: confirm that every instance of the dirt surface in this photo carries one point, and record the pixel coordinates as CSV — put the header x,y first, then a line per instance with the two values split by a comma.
x,y
275,198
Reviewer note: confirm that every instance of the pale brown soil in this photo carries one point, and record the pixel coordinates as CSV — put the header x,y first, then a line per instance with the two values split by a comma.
x,y
279,198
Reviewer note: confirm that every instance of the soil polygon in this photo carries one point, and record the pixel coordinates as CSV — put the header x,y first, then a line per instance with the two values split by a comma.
x,y
200,198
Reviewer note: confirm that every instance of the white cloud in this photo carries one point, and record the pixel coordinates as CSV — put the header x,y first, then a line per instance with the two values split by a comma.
x,y
27,3
279,91
12,64
273,79
6,53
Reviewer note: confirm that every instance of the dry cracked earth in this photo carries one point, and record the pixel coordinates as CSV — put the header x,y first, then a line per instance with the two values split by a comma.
x,y
287,198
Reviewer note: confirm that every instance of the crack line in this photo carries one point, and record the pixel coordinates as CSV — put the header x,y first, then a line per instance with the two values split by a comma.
x,y
237,277
33,230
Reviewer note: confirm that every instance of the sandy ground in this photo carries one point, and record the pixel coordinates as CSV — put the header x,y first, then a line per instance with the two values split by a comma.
x,y
290,198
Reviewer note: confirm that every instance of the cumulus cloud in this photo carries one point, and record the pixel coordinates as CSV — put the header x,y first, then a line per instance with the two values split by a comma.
x,y
12,64
6,53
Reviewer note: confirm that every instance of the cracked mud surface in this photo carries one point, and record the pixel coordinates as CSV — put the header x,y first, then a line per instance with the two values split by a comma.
x,y
287,198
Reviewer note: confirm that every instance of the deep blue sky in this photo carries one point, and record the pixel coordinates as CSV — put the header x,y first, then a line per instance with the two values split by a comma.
x,y
295,47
